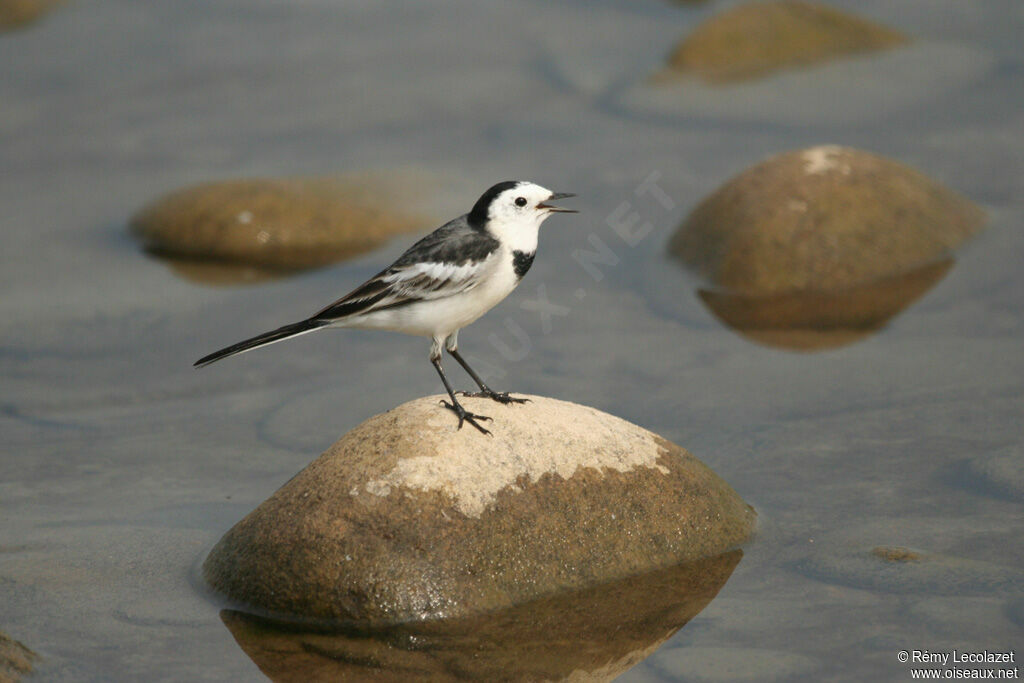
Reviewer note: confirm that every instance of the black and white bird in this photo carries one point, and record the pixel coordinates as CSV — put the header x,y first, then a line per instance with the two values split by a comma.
x,y
442,283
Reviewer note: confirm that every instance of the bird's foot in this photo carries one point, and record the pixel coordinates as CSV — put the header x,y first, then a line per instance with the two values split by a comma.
x,y
466,416
500,397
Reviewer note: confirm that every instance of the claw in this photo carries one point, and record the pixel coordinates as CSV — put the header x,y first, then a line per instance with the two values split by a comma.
x,y
466,416
501,397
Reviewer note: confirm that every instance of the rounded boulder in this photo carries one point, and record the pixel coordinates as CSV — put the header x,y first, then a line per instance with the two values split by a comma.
x,y
407,518
754,39
283,223
823,219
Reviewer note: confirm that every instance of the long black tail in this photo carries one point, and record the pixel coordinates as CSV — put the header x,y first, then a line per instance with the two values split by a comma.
x,y
293,330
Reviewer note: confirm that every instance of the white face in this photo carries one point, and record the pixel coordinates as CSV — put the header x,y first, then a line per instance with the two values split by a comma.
x,y
515,218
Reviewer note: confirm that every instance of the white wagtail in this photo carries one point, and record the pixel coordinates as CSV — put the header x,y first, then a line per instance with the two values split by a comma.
x,y
442,283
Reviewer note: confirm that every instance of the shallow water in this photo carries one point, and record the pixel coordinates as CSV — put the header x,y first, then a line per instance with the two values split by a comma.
x,y
121,465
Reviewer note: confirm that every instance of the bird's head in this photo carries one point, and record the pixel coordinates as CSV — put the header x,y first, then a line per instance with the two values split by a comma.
x,y
513,210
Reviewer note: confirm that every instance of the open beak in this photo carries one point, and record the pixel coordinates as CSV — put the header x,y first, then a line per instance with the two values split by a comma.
x,y
557,209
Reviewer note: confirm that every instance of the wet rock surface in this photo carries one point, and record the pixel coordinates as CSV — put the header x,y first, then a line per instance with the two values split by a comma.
x,y
277,223
406,518
822,219
595,634
819,248
754,39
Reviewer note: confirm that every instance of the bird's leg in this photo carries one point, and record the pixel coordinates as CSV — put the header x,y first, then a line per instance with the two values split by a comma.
x,y
485,391
455,406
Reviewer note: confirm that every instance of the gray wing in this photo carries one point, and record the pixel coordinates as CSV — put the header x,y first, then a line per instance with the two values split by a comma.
x,y
448,261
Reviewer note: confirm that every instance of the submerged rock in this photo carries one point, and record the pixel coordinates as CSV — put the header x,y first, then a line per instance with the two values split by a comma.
x,y
285,223
834,96
593,635
15,659
896,569
407,518
893,553
757,38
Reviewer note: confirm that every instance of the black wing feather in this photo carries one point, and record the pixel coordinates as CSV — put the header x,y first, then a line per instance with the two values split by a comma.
x,y
454,243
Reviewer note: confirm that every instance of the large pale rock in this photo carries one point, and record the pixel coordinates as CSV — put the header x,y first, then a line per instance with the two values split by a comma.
x,y
591,635
757,38
283,223
406,518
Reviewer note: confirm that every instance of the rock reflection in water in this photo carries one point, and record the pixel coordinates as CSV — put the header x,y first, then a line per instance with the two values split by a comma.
x,y
218,274
818,320
595,634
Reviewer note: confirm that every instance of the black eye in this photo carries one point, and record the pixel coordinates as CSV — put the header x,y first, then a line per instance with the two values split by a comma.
x,y
520,201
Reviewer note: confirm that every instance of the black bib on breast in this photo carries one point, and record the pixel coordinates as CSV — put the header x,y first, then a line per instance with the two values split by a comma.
x,y
521,262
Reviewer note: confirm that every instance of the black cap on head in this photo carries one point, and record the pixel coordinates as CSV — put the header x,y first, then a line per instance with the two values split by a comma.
x,y
478,215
